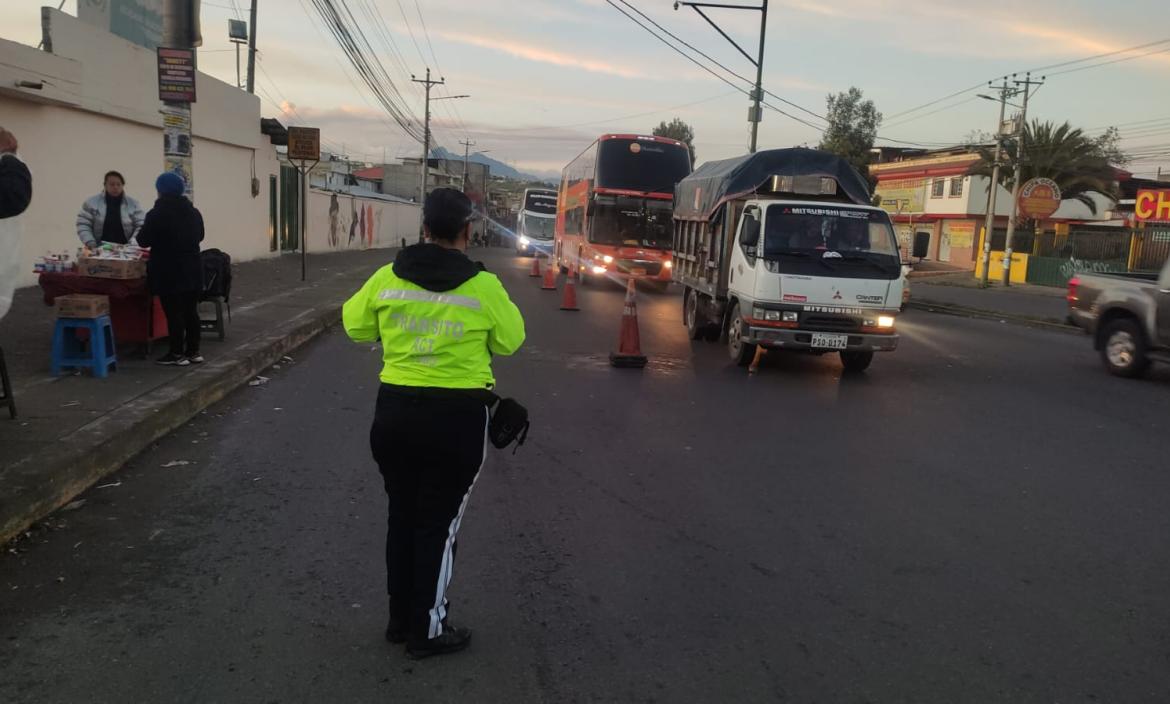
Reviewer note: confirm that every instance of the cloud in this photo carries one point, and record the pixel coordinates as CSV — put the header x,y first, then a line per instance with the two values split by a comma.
x,y
538,54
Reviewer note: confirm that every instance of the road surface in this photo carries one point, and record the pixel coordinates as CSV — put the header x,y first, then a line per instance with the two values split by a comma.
x,y
982,517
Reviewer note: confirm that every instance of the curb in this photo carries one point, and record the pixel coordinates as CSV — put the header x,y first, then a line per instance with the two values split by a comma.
x,y
82,458
966,312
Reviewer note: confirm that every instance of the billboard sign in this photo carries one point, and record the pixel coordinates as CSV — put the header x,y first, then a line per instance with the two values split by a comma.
x,y
136,21
176,75
304,144
1152,205
1039,198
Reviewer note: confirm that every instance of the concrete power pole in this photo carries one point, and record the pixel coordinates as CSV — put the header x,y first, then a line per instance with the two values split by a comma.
x,y
181,30
467,145
428,83
1005,91
252,49
1027,84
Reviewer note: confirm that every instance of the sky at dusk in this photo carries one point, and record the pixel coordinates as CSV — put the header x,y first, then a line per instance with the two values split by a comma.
x,y
547,76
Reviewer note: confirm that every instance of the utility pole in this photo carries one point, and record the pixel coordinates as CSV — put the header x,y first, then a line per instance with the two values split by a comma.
x,y
756,113
467,145
1027,84
426,133
252,49
181,31
1005,92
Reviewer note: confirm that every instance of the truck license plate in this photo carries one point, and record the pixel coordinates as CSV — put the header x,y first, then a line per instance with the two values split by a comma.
x,y
831,342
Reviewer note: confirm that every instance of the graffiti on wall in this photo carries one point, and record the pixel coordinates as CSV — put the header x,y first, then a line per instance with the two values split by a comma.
x,y
360,225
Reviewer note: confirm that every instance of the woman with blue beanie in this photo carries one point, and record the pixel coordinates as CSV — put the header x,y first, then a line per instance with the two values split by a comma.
x,y
173,231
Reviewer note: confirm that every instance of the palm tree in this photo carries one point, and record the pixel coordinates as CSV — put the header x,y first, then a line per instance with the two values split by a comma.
x,y
1062,153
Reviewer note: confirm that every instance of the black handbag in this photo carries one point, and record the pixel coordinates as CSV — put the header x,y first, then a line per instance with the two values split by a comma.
x,y
509,423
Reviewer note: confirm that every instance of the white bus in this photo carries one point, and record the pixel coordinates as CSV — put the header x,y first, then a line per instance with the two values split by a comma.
x,y
536,221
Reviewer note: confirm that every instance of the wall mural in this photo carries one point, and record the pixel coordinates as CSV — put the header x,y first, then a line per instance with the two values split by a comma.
x,y
359,228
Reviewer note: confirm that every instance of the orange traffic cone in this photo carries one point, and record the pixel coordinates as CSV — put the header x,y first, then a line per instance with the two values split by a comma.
x,y
569,302
535,273
629,353
550,278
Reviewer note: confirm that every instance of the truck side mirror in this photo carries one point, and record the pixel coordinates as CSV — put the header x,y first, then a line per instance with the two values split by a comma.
x,y
750,236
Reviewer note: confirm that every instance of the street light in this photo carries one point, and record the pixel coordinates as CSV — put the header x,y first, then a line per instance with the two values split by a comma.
x,y
758,92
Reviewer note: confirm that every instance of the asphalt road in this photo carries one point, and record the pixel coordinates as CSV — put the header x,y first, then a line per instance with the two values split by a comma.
x,y
982,517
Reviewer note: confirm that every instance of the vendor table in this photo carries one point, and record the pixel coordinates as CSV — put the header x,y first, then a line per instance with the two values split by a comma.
x,y
136,315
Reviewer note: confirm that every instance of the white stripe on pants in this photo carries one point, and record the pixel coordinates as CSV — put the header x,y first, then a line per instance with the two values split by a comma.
x,y
439,610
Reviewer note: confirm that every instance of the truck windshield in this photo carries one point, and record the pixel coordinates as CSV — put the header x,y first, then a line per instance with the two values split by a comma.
x,y
829,231
537,227
631,222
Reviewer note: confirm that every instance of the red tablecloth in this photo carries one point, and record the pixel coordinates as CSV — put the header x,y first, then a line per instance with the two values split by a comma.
x,y
130,303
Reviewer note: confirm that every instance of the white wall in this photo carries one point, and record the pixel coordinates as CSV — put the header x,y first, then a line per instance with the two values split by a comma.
x,y
97,111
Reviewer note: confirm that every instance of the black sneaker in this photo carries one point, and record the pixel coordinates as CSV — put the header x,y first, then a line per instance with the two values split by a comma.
x,y
452,640
195,358
173,360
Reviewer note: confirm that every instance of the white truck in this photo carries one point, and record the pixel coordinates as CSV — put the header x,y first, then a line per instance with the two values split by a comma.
x,y
782,248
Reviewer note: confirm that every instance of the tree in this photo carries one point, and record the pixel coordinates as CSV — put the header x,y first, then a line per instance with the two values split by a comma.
x,y
677,129
852,129
1110,145
1079,164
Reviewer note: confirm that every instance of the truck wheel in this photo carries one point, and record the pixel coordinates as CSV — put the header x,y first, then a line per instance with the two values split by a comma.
x,y
742,353
695,330
856,362
1124,348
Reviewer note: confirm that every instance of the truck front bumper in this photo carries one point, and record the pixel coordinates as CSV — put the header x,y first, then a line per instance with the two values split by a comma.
x,y
788,339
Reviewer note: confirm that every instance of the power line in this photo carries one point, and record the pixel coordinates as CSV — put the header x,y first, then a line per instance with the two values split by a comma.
x,y
1099,56
411,32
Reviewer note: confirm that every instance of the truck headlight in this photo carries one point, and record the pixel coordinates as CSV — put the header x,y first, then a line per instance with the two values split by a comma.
x,y
772,315
885,321
790,316
758,313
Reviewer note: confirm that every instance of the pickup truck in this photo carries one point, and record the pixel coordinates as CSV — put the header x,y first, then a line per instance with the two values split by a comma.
x,y
1128,316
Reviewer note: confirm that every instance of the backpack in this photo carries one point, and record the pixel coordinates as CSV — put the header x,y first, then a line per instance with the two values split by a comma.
x,y
217,274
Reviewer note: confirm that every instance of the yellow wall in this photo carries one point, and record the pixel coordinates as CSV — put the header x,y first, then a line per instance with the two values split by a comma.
x,y
1019,267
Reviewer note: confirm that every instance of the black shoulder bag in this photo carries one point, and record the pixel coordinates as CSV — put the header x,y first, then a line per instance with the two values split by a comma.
x,y
509,423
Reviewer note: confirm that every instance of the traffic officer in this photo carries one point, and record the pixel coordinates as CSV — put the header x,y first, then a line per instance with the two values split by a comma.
x,y
440,317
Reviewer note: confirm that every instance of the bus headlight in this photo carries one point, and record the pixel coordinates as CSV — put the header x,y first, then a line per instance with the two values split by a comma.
x,y
668,264
599,270
607,259
524,241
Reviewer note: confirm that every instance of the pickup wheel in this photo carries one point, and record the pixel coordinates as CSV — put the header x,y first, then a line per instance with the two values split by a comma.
x,y
742,353
856,362
1123,348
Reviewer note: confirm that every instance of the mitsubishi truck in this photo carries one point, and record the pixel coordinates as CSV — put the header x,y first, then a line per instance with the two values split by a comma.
x,y
1127,315
783,248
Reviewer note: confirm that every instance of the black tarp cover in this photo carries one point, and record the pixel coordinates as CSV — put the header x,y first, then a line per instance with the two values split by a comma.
x,y
699,195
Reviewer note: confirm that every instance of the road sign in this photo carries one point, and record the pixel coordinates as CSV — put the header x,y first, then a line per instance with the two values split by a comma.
x,y
1152,205
304,143
176,75
1039,198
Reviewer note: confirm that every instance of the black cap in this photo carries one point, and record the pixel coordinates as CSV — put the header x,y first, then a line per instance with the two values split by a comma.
x,y
446,211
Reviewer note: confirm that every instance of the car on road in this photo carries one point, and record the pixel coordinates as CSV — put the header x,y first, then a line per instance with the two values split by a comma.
x,y
1128,316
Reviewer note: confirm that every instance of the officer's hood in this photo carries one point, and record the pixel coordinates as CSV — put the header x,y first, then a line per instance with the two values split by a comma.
x,y
435,268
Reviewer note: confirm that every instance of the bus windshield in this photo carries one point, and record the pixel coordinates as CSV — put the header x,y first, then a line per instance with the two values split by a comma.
x,y
631,222
537,227
544,202
641,165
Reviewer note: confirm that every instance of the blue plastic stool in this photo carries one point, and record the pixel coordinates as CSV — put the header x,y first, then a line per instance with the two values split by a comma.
x,y
68,351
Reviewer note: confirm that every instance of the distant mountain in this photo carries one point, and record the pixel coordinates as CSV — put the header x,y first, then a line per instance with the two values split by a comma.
x,y
498,168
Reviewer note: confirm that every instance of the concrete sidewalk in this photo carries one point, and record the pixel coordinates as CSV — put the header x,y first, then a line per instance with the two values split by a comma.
x,y
75,429
960,293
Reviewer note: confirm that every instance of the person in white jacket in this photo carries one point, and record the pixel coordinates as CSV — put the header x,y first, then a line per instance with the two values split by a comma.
x,y
15,195
110,216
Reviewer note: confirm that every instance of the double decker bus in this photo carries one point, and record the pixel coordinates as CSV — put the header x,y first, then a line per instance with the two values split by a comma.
x,y
536,220
614,208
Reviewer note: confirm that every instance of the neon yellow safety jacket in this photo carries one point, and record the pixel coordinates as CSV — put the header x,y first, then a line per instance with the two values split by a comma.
x,y
432,338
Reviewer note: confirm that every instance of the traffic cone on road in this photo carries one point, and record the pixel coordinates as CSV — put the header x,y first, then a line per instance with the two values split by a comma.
x,y
550,278
629,352
535,273
569,302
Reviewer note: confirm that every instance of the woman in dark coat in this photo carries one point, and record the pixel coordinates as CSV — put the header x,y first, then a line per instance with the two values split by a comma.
x,y
173,231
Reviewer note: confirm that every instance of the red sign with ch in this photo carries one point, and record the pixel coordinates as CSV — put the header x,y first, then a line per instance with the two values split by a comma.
x,y
1152,205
